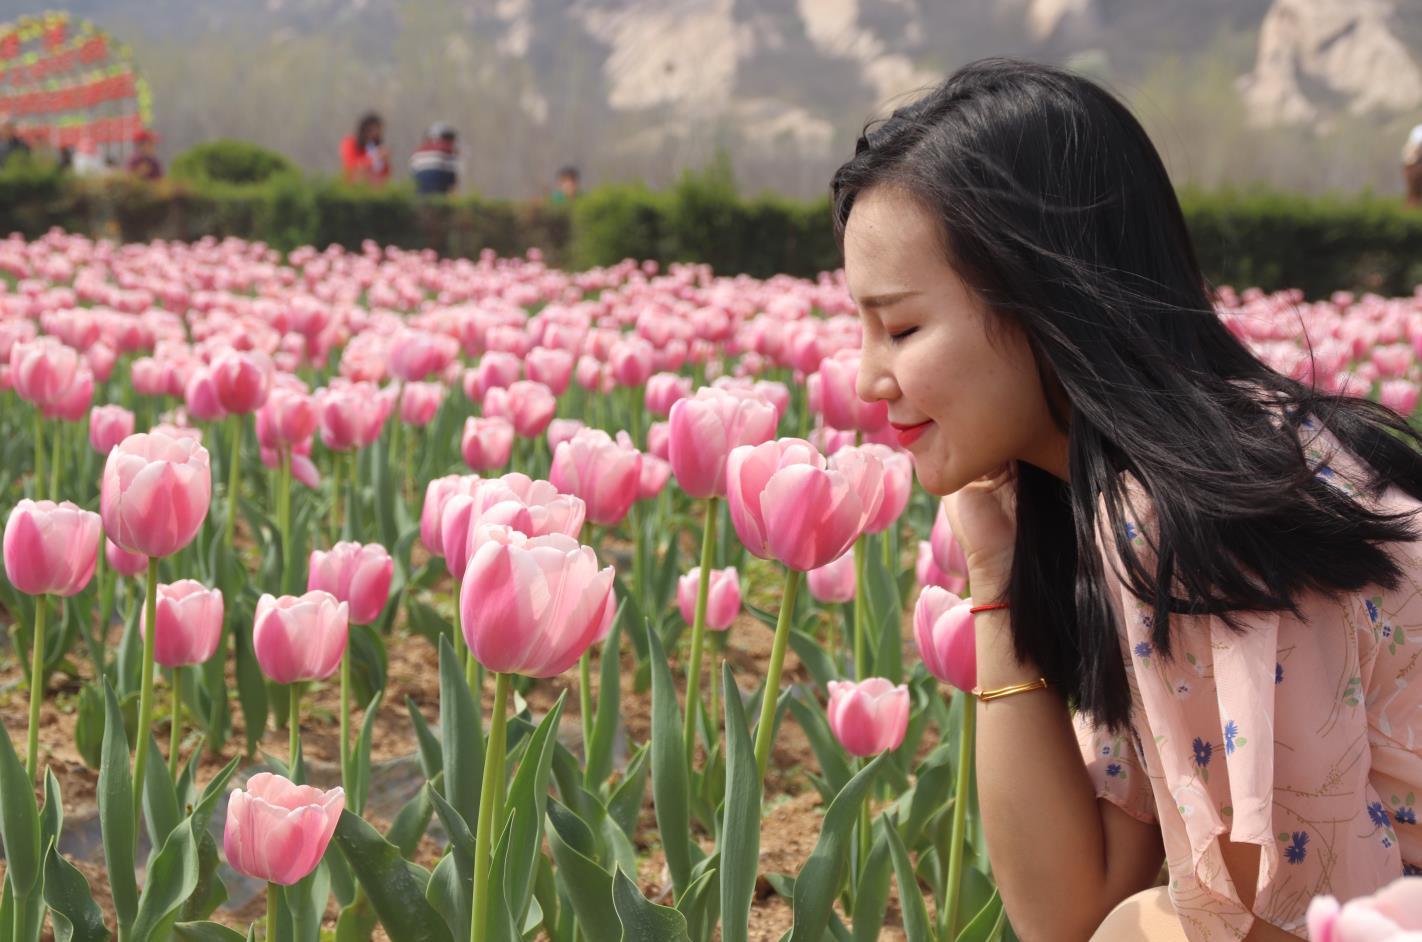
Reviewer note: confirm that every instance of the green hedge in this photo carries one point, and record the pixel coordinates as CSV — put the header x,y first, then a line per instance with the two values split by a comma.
x,y
230,161
1255,238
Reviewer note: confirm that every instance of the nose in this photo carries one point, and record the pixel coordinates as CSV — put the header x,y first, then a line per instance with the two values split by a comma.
x,y
875,381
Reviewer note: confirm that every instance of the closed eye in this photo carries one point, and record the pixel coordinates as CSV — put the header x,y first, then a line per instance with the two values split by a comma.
x,y
903,334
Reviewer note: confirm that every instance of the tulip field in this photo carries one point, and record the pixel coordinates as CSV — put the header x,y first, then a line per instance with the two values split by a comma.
x,y
368,594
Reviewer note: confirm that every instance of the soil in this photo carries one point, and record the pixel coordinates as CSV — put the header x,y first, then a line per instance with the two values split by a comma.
x,y
790,827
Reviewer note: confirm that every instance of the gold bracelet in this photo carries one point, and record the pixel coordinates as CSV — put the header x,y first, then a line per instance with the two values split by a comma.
x,y
986,695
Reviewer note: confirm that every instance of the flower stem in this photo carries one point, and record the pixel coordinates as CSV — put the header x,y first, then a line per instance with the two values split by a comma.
x,y
175,730
145,696
585,706
490,797
36,688
698,630
865,824
39,455
54,463
346,772
861,614
335,522
272,892
234,466
284,512
765,731
293,724
960,815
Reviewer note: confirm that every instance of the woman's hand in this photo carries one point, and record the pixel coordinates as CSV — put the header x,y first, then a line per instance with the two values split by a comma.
x,y
983,515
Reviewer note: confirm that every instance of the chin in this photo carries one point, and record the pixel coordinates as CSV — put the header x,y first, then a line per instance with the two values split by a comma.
x,y
933,476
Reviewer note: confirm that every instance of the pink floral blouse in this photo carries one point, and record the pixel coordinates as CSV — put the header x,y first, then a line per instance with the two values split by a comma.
x,y
1303,736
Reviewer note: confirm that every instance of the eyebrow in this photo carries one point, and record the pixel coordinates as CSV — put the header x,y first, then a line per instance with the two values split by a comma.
x,y
886,300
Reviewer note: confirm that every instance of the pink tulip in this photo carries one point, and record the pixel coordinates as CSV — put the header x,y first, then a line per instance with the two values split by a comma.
x,y
528,405
723,598
42,370
497,369
419,402
703,431
553,368
351,415
560,430
947,552
300,637
303,468
149,377
1393,914
288,416
663,390
50,549
630,361
533,605
868,717
437,492
928,573
659,439
242,380
73,404
200,397
592,374
655,473
122,561
834,582
189,617
943,628
788,503
488,502
109,425
1400,395
101,359
416,354
605,474
355,574
155,493
839,401
898,484
548,510
487,442
278,831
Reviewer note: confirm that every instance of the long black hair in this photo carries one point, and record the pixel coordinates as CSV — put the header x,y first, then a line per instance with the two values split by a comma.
x,y
1056,209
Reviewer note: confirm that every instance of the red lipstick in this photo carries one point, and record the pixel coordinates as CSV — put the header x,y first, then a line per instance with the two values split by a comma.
x,y
908,434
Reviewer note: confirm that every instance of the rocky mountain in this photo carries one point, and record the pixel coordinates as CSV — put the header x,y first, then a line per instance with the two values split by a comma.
x,y
646,87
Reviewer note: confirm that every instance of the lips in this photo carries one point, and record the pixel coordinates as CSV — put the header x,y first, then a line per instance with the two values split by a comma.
x,y
908,434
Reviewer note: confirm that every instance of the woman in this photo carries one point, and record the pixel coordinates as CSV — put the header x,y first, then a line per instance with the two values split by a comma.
x,y
1211,563
364,157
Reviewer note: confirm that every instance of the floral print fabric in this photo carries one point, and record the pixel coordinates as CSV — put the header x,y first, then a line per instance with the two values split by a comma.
x,y
1300,735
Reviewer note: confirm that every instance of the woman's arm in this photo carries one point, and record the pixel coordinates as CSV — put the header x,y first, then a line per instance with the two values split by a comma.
x,y
1062,858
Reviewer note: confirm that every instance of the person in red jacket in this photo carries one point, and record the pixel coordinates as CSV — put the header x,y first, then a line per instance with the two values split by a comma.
x,y
364,157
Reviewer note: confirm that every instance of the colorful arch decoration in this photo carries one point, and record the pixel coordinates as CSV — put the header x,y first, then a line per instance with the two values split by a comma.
x,y
64,80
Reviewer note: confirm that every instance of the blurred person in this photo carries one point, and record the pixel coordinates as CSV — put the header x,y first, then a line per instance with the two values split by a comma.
x,y
364,156
435,163
86,160
10,141
144,163
566,189
1412,166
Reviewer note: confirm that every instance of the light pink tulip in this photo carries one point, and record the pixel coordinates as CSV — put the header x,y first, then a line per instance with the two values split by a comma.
x,y
868,717
528,405
592,374
548,510
42,370
288,416
604,473
840,404
705,428
416,354
497,369
898,484
927,571
189,617
723,597
663,390
1400,395
488,502
1393,914
553,368
419,402
487,442
655,473
122,561
300,637
109,425
560,430
351,415
155,493
788,503
50,549
533,605
947,552
148,376
73,404
200,396
437,492
278,831
355,574
630,361
659,439
943,629
834,582
242,380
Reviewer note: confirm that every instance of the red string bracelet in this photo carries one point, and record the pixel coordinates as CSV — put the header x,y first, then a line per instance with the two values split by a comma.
x,y
986,608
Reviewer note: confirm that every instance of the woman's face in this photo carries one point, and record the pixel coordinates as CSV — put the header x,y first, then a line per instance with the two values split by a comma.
x,y
963,404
